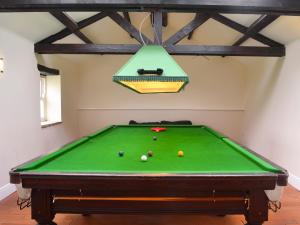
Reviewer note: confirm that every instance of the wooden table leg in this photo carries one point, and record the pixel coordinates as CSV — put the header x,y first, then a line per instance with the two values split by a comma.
x,y
257,212
41,208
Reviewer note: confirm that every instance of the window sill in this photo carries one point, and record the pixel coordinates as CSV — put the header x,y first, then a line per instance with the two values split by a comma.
x,y
50,123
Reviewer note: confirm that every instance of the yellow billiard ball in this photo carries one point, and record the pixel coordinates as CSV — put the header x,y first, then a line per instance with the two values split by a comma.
x,y
180,153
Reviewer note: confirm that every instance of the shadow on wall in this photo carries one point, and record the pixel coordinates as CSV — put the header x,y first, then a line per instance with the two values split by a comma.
x,y
267,76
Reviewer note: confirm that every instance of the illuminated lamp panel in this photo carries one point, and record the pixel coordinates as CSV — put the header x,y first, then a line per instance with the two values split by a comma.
x,y
146,87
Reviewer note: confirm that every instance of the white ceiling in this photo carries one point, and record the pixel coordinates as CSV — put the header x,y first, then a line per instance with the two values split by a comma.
x,y
37,26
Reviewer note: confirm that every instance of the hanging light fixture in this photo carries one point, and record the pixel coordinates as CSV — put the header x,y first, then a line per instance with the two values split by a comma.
x,y
152,70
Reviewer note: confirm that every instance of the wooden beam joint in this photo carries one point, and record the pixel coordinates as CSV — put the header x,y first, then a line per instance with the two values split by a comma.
x,y
261,23
244,30
123,23
82,24
187,29
71,25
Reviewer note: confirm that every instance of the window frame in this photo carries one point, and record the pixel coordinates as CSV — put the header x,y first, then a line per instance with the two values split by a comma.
x,y
43,97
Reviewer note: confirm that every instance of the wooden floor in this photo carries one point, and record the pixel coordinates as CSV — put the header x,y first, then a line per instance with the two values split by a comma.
x,y
288,215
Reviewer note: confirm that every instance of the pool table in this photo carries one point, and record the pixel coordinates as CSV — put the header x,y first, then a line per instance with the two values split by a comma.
x,y
215,175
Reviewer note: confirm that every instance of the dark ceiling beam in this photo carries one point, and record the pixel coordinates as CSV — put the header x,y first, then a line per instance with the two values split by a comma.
x,y
165,19
191,34
261,23
279,7
152,18
174,50
47,71
127,17
71,25
157,27
82,24
123,23
226,50
243,29
187,29
87,48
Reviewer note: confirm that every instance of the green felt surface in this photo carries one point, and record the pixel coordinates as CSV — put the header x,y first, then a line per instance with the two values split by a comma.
x,y
205,151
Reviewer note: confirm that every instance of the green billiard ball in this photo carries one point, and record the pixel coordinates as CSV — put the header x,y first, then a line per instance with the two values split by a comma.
x,y
121,153
154,138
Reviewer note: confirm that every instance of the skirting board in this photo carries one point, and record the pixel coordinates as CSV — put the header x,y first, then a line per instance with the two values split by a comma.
x,y
294,181
7,190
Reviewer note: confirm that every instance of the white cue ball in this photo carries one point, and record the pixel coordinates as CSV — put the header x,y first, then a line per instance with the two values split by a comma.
x,y
144,158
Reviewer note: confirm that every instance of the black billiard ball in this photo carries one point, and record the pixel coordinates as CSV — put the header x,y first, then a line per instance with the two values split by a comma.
x,y
154,138
150,153
121,153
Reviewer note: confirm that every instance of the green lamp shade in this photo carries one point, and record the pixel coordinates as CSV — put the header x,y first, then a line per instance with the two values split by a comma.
x,y
152,70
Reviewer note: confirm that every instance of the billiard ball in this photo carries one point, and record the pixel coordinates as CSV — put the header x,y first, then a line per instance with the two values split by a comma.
x,y
144,158
121,153
154,138
150,153
180,153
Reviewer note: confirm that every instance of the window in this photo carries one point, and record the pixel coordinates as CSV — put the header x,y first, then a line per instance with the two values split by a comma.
x,y
43,100
50,100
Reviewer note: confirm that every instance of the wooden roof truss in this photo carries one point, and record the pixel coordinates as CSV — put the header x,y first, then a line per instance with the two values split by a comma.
x,y
119,12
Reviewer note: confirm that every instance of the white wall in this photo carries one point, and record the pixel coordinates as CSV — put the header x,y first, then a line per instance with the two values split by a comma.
x,y
272,121
215,95
21,135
